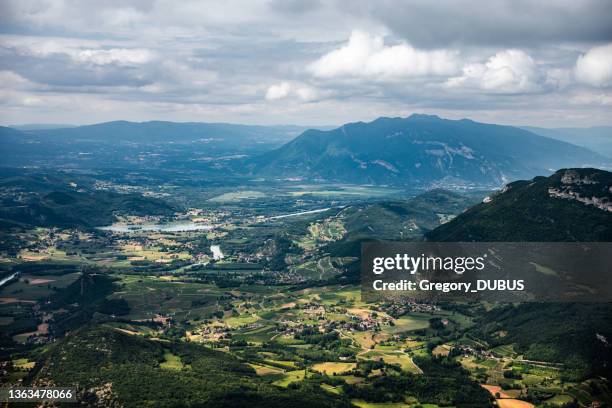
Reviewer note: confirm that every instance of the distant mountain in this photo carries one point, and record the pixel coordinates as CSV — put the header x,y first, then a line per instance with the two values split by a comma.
x,y
147,144
421,149
40,126
570,205
160,131
597,138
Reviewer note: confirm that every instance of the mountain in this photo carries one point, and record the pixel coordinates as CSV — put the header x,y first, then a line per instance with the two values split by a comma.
x,y
132,144
40,126
570,205
421,149
160,131
597,138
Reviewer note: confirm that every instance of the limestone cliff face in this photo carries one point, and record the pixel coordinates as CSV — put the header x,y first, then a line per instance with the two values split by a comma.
x,y
571,188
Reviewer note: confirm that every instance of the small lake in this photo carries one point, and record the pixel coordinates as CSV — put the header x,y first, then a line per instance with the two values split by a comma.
x,y
177,226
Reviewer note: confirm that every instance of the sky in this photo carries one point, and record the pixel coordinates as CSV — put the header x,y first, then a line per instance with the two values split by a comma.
x,y
308,62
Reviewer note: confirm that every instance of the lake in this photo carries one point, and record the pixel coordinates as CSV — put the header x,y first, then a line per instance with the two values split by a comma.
x,y
177,226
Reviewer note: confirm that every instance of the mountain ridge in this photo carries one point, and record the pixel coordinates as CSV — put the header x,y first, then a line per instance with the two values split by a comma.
x,y
544,209
421,149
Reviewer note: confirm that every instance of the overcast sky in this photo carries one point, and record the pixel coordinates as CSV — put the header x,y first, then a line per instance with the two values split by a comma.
x,y
309,62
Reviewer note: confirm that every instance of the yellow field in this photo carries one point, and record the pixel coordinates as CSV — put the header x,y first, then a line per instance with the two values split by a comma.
x,y
393,357
443,350
136,252
364,339
331,368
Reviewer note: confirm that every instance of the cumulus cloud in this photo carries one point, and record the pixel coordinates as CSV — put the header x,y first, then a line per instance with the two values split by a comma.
x,y
595,67
285,89
509,71
137,59
367,55
278,91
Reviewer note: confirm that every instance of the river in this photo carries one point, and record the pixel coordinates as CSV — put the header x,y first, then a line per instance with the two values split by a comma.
x,y
299,213
8,279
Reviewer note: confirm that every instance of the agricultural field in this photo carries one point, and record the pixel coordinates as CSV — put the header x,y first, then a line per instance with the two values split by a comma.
x,y
271,284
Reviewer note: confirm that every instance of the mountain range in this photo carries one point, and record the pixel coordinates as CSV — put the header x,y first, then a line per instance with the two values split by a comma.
x,y
420,151
131,144
596,138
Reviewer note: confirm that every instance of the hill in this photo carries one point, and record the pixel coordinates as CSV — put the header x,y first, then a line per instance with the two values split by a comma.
x,y
398,219
112,368
596,138
421,149
54,200
570,205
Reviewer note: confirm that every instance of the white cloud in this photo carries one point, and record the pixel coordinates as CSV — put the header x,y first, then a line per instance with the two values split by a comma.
x,y
307,93
366,55
595,67
218,62
80,51
118,56
285,89
278,91
509,71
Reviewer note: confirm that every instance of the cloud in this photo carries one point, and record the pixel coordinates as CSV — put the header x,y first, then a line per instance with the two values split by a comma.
x,y
285,89
510,71
499,24
367,56
119,56
305,61
278,91
80,51
294,7
595,67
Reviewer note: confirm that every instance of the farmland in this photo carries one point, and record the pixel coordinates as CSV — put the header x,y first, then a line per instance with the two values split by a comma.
x,y
282,300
